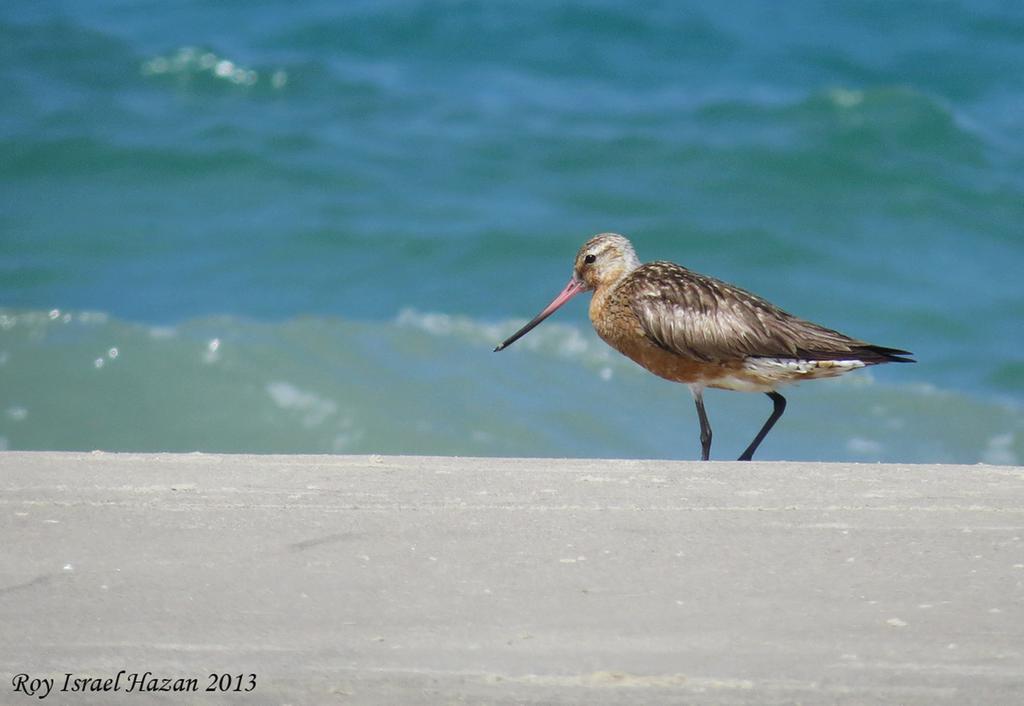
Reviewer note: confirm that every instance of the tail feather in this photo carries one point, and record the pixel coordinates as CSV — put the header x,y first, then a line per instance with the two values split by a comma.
x,y
867,353
881,354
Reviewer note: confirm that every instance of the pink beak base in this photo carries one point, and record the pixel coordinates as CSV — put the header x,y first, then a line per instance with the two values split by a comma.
x,y
574,287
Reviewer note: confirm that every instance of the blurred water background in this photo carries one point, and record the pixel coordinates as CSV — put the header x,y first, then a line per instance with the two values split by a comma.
x,y
302,227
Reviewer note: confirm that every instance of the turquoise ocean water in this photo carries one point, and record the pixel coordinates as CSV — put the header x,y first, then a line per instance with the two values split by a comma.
x,y
302,227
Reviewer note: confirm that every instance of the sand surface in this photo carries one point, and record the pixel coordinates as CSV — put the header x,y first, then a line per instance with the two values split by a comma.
x,y
407,580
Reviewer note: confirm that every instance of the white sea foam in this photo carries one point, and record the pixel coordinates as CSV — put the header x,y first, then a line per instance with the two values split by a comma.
x,y
192,61
863,447
439,324
348,435
565,341
314,409
999,450
212,353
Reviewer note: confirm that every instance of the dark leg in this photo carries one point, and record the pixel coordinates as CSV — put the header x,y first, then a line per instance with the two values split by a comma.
x,y
780,407
705,426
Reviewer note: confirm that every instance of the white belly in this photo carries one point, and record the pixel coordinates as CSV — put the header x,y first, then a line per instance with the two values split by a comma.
x,y
766,374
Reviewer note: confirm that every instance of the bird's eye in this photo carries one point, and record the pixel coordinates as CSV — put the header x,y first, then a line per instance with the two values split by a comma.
x,y
589,259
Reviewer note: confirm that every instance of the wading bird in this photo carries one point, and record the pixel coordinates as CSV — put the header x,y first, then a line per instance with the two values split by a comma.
x,y
690,328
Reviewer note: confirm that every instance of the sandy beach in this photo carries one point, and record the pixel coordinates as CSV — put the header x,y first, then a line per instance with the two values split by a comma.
x,y
427,580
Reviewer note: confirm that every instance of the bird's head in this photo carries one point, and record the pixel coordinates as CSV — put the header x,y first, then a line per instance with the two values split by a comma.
x,y
604,260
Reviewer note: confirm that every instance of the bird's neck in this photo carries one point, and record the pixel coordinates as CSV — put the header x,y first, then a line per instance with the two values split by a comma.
x,y
603,291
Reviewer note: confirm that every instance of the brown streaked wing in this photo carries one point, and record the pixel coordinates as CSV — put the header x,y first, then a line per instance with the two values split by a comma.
x,y
706,319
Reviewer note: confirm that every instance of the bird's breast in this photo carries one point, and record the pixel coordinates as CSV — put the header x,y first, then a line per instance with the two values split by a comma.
x,y
618,326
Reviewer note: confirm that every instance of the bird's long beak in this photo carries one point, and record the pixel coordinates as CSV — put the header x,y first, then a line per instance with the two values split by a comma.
x,y
574,287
